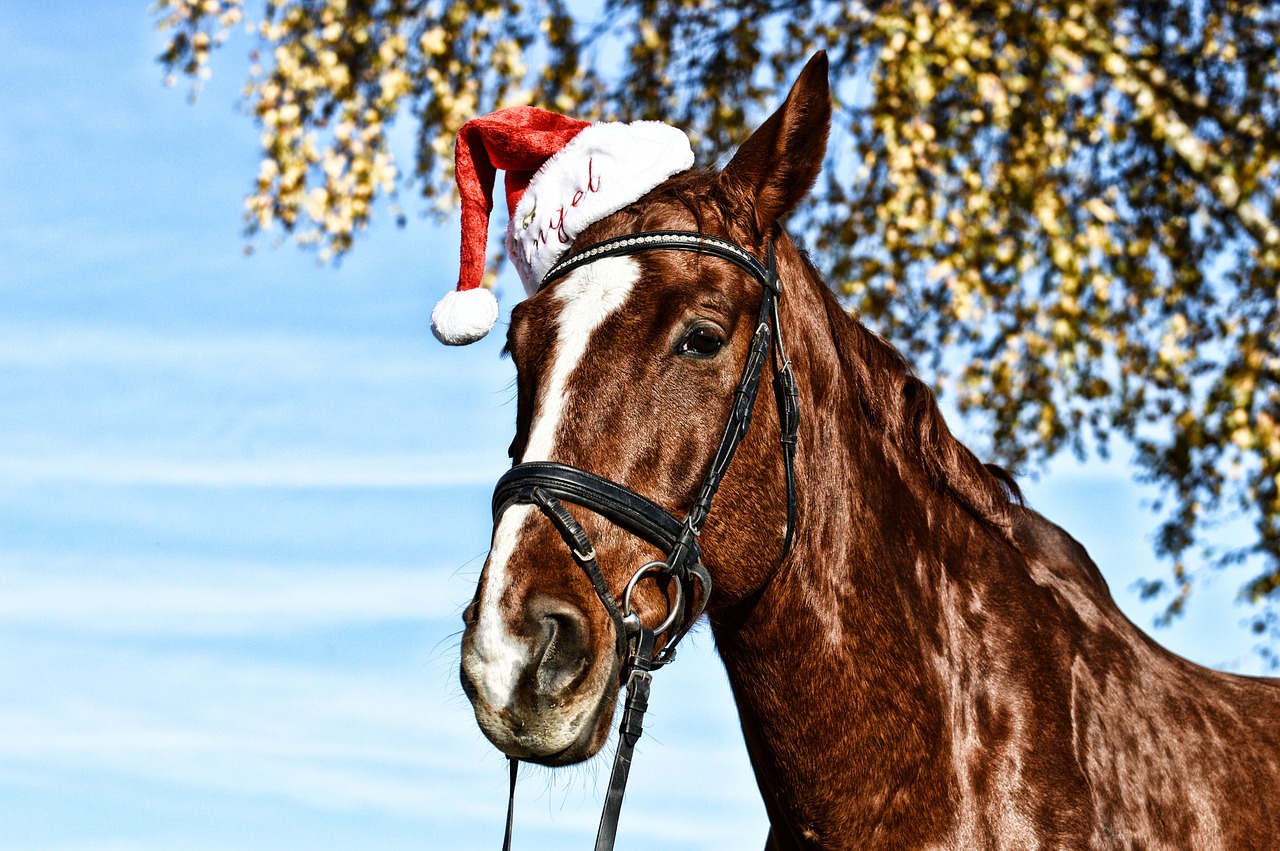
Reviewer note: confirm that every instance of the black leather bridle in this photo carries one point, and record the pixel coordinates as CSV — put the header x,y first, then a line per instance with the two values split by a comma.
x,y
546,483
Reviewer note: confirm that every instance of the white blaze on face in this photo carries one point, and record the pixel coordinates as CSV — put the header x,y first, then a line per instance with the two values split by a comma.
x,y
588,295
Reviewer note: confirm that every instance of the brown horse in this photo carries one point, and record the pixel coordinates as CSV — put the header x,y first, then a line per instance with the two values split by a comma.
x,y
930,664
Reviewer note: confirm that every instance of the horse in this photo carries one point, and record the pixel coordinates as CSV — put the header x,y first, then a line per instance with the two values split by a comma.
x,y
919,660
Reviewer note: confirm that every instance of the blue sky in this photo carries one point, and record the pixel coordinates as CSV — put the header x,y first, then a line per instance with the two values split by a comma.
x,y
243,500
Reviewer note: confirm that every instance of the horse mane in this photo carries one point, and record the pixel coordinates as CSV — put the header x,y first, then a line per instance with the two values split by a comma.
x,y
893,398
905,411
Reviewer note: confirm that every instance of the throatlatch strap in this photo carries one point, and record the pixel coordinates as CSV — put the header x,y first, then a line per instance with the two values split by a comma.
x,y
788,393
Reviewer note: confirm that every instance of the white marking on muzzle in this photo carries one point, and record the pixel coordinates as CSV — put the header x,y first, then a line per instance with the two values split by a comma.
x,y
589,296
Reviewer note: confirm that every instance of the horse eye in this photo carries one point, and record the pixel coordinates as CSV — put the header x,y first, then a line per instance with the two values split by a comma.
x,y
701,342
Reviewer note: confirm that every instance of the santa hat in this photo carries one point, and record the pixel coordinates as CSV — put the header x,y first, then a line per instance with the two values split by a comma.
x,y
562,174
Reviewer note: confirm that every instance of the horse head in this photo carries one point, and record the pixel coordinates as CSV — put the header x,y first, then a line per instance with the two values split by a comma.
x,y
626,368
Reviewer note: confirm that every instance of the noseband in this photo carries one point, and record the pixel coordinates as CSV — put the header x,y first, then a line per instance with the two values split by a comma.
x,y
546,483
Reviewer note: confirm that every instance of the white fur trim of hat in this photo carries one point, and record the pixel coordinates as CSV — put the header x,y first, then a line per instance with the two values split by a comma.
x,y
601,170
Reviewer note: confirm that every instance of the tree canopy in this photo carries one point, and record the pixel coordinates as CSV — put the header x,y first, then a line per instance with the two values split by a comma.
x,y
1065,210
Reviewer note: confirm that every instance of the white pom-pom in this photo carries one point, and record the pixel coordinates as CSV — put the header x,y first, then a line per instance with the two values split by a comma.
x,y
464,316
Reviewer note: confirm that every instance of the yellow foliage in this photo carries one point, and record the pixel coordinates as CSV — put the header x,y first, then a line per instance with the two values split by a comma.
x,y
1074,200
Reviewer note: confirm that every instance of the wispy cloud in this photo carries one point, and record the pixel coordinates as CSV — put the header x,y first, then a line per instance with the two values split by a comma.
x,y
393,740
297,355
176,599
326,738
416,471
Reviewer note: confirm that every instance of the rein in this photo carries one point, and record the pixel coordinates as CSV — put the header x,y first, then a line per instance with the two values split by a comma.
x,y
545,483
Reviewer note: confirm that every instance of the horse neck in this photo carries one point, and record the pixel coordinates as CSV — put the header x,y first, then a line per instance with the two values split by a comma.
x,y
910,677
835,662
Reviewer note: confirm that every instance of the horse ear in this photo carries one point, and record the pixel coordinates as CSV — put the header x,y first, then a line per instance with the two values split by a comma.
x,y
775,168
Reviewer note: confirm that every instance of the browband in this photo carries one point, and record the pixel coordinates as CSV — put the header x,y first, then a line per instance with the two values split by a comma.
x,y
667,240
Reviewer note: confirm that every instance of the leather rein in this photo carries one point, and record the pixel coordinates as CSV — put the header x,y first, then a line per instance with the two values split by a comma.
x,y
546,483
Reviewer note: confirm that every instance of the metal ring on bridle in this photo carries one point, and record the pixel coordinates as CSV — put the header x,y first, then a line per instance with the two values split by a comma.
x,y
653,567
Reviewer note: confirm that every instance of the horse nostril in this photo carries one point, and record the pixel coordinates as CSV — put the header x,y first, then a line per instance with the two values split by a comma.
x,y
564,659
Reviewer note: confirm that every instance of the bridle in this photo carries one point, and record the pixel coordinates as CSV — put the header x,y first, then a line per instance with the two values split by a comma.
x,y
546,483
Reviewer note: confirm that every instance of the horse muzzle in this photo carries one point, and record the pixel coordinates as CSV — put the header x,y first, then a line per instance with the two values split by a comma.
x,y
541,693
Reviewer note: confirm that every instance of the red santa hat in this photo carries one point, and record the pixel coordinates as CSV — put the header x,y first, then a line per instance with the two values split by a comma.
x,y
562,174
